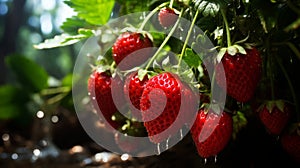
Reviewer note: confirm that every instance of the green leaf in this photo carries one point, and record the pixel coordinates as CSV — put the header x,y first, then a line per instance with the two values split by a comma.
x,y
268,16
10,111
31,75
188,76
12,104
208,8
73,24
11,94
191,58
95,12
239,122
133,6
207,23
60,41
86,32
67,80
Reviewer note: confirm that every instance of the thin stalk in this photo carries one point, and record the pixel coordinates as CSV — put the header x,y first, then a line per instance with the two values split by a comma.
x,y
291,46
56,98
164,42
269,69
292,90
227,28
212,84
151,14
187,39
51,91
112,65
293,7
271,80
294,49
171,3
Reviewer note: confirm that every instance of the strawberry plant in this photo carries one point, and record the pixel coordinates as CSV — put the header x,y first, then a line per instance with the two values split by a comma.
x,y
238,57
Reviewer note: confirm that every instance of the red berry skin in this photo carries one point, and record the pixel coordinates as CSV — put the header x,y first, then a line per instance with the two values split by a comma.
x,y
99,89
242,72
211,132
275,120
189,105
160,105
136,46
133,90
167,17
291,144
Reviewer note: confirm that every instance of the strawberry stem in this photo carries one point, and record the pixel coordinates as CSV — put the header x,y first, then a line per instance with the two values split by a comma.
x,y
151,14
112,65
171,3
269,69
226,27
165,41
294,49
51,91
291,46
293,7
213,78
292,90
187,39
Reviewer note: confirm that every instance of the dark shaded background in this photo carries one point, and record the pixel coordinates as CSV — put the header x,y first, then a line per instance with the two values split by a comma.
x,y
254,147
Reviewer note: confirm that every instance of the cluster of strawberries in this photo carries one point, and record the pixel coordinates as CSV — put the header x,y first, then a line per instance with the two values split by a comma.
x,y
165,103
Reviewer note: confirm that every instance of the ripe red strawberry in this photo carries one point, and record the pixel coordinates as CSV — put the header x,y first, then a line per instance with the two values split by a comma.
x,y
275,115
242,71
99,89
189,105
167,17
291,144
137,45
160,106
211,132
133,90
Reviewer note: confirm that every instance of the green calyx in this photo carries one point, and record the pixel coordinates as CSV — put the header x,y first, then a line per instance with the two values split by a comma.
x,y
231,50
270,105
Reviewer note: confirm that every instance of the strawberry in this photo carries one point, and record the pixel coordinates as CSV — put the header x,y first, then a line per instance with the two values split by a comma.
x,y
274,115
131,43
133,90
211,132
189,105
167,17
99,89
242,72
290,142
160,106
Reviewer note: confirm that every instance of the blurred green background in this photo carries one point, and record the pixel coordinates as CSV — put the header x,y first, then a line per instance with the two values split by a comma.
x,y
24,23
27,74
